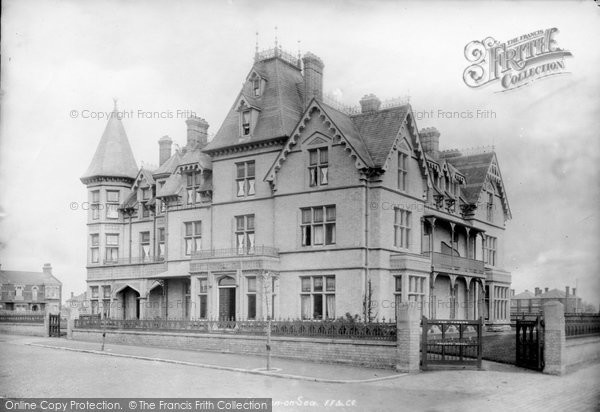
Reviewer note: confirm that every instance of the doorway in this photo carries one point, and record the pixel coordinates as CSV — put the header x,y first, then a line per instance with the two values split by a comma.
x,y
227,298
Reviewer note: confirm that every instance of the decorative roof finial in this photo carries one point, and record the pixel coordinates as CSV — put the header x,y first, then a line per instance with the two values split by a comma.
x,y
275,37
115,104
299,54
256,48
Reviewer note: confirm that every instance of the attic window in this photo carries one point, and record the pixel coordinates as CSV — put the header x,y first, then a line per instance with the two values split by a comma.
x,y
256,86
246,122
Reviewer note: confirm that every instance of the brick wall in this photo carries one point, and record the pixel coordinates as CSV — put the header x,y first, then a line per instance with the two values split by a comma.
x,y
366,353
23,329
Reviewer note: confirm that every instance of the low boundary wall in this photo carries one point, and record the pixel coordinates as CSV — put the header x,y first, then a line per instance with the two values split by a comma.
x,y
29,329
581,351
375,354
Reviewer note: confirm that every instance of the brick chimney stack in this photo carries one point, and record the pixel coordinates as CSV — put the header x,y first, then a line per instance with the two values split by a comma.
x,y
369,103
47,268
164,149
545,290
313,78
537,291
197,132
574,290
430,139
567,291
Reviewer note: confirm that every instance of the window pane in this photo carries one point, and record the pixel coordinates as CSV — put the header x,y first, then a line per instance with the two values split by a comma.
x,y
112,239
251,306
241,243
306,215
250,222
318,306
318,214
398,283
312,156
95,240
330,286
112,211
203,285
189,179
239,223
305,307
250,242
305,284
198,178
197,228
112,196
313,176
251,189
250,169
251,284
318,234
246,117
240,187
330,306
318,284
188,229
188,246
324,180
241,170
330,234
95,255
324,155
306,236
330,213
96,196
203,300
197,244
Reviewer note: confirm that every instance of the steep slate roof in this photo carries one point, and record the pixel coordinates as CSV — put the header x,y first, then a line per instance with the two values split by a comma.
x,y
113,155
17,277
196,156
379,130
475,169
169,166
173,186
348,128
280,105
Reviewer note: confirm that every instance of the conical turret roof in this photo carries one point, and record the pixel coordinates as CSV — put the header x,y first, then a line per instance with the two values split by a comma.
x,y
113,157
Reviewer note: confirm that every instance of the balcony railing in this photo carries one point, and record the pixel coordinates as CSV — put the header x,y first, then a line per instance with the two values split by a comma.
x,y
442,261
236,252
133,260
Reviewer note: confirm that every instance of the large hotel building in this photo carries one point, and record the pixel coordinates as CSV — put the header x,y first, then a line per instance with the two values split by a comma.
x,y
296,208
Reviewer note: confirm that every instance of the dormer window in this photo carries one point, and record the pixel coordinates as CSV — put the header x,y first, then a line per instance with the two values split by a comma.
x,y
246,118
145,193
256,86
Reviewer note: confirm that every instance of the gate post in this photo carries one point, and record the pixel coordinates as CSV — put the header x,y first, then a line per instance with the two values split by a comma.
x,y
408,317
554,338
47,323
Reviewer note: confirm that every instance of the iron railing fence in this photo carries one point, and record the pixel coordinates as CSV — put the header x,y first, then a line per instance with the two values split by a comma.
x,y
332,329
235,252
22,318
582,324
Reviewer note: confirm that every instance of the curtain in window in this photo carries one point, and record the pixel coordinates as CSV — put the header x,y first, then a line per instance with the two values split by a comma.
x,y
251,190
241,243
188,246
330,302
305,303
197,243
161,249
250,242
318,235
323,175
145,251
240,188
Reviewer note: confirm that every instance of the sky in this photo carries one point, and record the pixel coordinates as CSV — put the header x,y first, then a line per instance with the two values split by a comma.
x,y
63,62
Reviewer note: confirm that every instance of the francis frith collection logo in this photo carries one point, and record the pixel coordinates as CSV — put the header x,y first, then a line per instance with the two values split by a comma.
x,y
514,63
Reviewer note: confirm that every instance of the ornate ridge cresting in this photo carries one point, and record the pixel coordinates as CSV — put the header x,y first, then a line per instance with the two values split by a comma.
x,y
278,52
293,140
352,110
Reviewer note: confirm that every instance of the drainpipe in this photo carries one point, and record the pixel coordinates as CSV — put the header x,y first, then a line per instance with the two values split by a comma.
x,y
130,238
366,280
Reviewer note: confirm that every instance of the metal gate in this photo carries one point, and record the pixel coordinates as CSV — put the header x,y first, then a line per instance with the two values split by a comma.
x,y
530,343
54,326
451,342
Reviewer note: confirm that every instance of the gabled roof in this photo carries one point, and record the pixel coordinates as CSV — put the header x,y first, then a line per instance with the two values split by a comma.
x,y
280,104
17,277
143,174
173,186
169,166
379,130
475,169
113,156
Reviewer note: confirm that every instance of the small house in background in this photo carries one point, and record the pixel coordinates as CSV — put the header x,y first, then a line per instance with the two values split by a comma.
x,y
30,291
77,305
531,302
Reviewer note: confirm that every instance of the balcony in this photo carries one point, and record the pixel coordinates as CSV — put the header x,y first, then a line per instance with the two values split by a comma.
x,y
236,252
257,257
455,264
132,261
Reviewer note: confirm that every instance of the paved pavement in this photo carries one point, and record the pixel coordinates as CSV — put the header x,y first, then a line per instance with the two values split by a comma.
x,y
123,371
